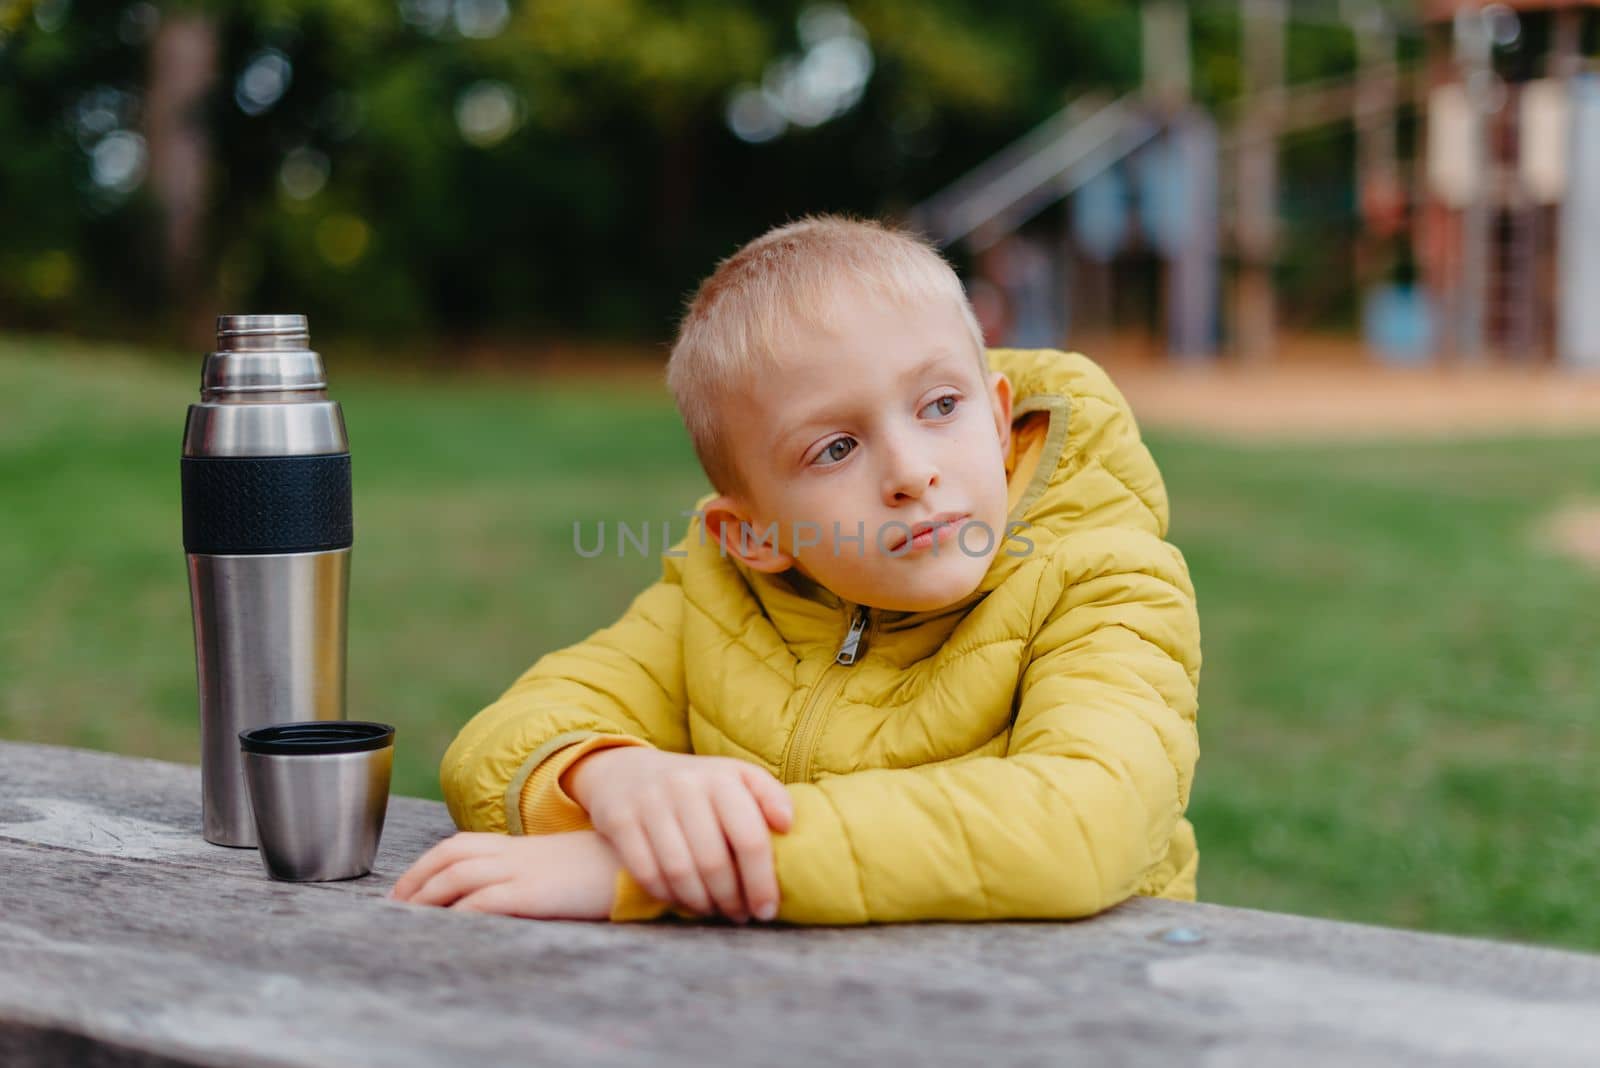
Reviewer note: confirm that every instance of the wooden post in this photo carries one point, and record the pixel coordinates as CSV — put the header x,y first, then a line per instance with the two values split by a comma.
x,y
183,66
1377,170
1257,190
1165,42
1566,49
1190,268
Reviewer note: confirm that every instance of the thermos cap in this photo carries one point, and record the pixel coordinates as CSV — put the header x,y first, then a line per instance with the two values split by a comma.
x,y
263,393
262,354
316,737
262,326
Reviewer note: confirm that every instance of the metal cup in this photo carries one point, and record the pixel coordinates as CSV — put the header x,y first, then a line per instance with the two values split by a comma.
x,y
319,790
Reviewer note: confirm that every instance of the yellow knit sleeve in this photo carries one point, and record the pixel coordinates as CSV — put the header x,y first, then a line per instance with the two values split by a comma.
x,y
545,807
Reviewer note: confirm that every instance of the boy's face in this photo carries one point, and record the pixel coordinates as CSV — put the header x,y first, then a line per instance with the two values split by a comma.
x,y
883,423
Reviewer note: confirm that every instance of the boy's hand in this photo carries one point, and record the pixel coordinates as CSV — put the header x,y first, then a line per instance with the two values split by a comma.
x,y
674,818
568,876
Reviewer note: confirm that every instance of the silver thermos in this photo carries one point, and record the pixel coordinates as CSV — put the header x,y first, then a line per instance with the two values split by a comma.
x,y
267,530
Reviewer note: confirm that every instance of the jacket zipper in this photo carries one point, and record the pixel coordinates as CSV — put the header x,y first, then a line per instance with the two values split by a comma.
x,y
797,764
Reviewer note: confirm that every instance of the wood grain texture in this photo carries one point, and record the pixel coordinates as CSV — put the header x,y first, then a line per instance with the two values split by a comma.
x,y
126,939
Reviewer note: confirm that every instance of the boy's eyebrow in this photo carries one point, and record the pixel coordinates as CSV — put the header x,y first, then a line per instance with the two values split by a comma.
x,y
783,434
932,362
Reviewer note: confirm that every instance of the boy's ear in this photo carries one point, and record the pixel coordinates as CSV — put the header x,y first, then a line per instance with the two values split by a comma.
x,y
1000,400
732,525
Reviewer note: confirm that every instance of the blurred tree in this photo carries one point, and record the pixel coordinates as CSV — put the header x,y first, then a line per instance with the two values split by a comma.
x,y
439,168
182,68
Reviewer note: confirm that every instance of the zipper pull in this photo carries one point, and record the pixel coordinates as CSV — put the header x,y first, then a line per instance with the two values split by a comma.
x,y
852,648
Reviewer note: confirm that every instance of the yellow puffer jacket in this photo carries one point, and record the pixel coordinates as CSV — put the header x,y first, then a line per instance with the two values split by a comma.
x,y
1024,753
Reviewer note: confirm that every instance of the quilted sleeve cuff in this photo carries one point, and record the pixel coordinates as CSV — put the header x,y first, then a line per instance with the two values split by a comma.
x,y
545,807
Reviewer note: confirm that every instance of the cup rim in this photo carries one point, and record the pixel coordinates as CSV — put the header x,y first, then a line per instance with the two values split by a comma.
x,y
316,736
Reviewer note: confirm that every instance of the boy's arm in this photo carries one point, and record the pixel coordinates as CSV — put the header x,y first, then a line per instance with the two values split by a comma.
x,y
623,685
1083,804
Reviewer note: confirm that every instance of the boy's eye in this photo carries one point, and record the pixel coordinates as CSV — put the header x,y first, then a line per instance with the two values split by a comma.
x,y
832,453
946,409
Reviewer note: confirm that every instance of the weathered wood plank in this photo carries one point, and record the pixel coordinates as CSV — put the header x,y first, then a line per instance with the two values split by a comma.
x,y
139,809
126,939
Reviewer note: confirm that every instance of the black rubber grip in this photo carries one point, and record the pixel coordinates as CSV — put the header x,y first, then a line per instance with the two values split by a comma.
x,y
266,504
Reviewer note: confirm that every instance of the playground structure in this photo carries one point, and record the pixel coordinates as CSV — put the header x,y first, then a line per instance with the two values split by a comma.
x,y
1496,203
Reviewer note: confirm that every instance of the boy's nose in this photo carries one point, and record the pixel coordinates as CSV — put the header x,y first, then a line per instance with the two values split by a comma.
x,y
909,476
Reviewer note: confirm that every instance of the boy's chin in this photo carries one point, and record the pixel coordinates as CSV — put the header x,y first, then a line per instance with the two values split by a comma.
x,y
926,599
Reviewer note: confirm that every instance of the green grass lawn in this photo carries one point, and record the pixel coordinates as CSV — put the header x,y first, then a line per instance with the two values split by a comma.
x,y
1400,706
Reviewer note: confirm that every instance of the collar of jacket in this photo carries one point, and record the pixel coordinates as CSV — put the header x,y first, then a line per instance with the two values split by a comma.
x,y
1041,382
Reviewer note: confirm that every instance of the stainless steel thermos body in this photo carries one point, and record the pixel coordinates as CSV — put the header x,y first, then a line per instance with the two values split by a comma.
x,y
267,530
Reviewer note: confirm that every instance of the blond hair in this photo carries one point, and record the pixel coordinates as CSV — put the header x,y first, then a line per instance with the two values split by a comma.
x,y
745,313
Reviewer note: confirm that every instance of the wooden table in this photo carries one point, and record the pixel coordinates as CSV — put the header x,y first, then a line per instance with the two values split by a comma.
x,y
125,938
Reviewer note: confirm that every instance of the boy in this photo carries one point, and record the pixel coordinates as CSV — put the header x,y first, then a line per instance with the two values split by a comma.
x,y
923,654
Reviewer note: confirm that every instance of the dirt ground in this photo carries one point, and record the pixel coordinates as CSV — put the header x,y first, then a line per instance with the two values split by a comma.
x,y
1332,389
1575,531
1308,402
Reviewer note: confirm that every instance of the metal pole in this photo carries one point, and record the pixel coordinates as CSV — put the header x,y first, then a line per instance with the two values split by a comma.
x,y
1192,289
1473,44
1578,312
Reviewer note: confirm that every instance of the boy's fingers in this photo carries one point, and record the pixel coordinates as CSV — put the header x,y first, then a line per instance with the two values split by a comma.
x,y
458,879
456,847
675,860
496,897
747,833
775,802
703,831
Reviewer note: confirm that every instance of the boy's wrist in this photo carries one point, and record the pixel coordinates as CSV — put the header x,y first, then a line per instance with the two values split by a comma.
x,y
576,778
595,889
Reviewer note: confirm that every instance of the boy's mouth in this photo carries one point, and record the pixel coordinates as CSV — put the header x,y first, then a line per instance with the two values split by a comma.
x,y
926,532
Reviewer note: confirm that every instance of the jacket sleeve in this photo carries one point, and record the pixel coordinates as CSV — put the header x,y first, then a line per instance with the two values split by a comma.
x,y
1077,811
623,685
